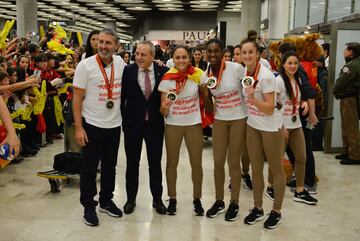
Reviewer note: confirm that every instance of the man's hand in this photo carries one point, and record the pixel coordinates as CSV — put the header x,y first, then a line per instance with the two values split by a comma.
x,y
81,136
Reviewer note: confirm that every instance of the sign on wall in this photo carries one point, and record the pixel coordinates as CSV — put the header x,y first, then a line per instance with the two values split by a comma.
x,y
178,35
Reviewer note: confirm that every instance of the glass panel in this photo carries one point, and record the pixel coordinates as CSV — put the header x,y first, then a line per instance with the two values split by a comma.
x,y
317,11
357,7
339,8
301,7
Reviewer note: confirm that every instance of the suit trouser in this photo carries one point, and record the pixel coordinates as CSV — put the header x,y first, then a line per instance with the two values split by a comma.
x,y
350,127
296,142
103,145
133,139
194,143
263,144
228,137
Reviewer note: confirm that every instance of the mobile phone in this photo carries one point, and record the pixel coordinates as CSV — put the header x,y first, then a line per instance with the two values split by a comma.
x,y
37,73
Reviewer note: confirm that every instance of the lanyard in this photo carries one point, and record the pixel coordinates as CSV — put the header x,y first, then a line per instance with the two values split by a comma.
x,y
218,79
294,96
109,84
255,75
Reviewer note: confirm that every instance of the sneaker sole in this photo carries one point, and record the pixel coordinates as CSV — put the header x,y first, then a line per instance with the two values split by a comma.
x,y
198,214
273,227
215,215
256,220
296,199
232,219
90,224
110,213
246,186
270,197
171,214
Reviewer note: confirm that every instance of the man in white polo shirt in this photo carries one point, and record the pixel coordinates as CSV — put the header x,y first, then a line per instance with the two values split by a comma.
x,y
97,117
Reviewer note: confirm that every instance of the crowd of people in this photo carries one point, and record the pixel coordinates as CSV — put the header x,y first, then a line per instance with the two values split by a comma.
x,y
256,111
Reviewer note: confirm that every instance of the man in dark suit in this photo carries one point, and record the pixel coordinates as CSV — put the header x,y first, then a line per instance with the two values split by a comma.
x,y
142,120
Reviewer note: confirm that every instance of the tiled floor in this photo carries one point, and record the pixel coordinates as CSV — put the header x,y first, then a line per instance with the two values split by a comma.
x,y
29,211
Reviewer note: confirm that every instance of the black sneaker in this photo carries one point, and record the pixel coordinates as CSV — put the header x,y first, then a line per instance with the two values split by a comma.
x,y
254,216
247,181
304,197
311,189
198,209
229,187
273,220
217,207
270,193
90,216
292,182
111,209
232,212
341,156
171,209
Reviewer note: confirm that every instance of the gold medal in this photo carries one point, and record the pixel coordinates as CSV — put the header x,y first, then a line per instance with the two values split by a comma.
x,y
247,81
110,104
211,82
171,96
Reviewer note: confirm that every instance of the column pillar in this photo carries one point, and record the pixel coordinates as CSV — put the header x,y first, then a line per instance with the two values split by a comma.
x,y
26,17
250,16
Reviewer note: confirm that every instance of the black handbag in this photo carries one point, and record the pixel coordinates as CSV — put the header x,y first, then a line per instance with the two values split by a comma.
x,y
69,162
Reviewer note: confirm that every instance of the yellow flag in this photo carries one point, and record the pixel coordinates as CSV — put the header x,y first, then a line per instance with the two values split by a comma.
x,y
5,32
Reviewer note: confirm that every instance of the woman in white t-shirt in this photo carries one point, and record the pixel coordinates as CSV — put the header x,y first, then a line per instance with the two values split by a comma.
x,y
264,137
179,89
228,133
289,87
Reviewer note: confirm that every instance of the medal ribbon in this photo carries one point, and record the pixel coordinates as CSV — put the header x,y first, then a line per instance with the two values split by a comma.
x,y
218,79
255,75
294,96
109,84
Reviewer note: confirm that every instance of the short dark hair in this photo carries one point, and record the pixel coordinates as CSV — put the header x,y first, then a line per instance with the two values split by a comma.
x,y
354,47
215,41
250,40
182,47
326,47
262,49
32,47
286,47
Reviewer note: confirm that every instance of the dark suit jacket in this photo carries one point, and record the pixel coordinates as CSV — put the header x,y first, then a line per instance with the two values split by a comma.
x,y
134,104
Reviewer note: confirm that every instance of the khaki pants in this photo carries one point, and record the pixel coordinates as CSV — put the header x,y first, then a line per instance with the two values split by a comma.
x,y
194,143
296,141
350,127
271,145
228,138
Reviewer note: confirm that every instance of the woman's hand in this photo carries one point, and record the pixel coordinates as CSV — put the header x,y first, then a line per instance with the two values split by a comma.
x,y
250,93
286,134
305,106
14,144
165,107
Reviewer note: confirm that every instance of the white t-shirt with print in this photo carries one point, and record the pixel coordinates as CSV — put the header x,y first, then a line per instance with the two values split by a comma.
x,y
280,93
88,76
287,107
256,118
185,110
229,99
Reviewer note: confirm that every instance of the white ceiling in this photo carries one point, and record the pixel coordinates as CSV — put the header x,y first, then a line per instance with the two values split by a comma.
x,y
91,14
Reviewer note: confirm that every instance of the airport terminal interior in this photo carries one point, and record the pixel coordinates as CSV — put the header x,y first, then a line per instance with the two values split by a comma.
x,y
38,203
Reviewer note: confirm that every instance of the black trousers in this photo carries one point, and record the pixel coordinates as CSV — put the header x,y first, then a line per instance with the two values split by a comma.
x,y
133,140
103,145
310,160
